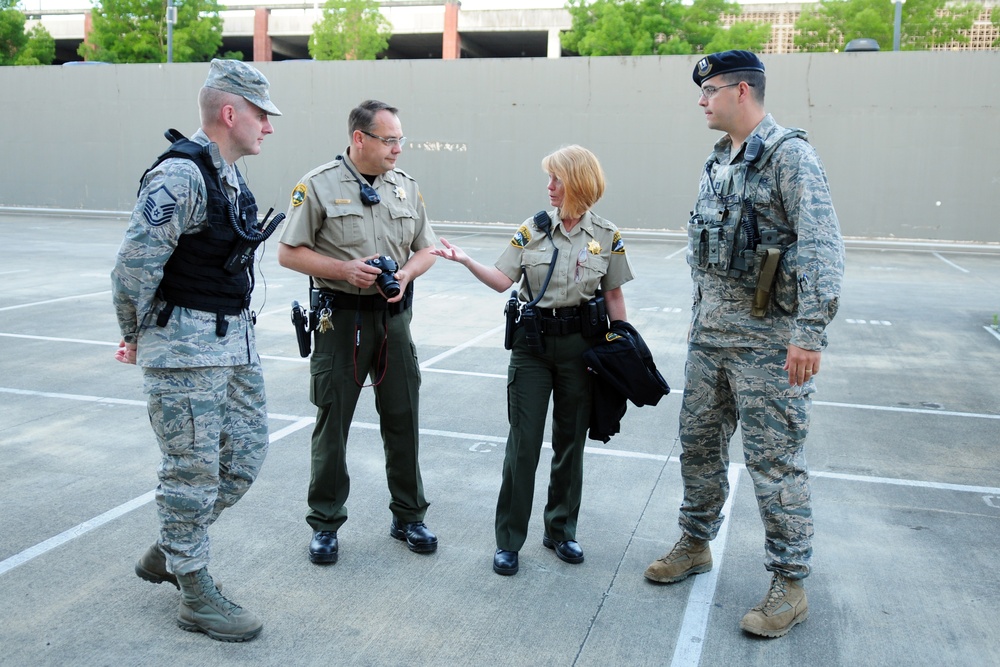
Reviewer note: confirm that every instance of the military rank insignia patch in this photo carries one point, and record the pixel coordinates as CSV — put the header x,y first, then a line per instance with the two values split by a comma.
x,y
299,194
159,207
521,237
617,245
704,67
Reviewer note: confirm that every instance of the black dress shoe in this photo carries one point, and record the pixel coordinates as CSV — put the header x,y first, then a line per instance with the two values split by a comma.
x,y
568,551
505,562
418,538
323,548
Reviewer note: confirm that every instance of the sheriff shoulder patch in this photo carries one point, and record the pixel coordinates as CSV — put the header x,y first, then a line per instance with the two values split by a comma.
x,y
617,245
299,194
521,237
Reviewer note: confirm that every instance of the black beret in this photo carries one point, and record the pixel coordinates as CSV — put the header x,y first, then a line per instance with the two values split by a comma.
x,y
726,61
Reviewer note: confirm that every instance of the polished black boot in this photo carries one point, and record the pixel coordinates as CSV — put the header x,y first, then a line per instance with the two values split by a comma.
x,y
323,550
505,562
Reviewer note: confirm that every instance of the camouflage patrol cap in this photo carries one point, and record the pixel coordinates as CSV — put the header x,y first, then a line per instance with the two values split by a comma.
x,y
239,78
723,62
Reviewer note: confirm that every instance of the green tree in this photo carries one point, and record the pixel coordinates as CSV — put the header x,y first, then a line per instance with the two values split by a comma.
x,y
36,47
135,31
660,27
350,30
829,24
40,49
12,37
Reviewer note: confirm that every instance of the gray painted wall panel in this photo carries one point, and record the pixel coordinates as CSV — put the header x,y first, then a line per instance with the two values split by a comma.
x,y
909,140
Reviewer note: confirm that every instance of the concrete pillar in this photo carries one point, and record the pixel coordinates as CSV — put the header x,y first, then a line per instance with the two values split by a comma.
x,y
261,37
555,45
451,45
88,27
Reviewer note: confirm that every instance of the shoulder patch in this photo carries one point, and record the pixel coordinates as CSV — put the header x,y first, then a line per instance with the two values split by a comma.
x,y
618,245
521,237
159,206
299,194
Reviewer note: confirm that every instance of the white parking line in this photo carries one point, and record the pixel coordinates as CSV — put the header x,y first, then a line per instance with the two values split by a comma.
x,y
63,298
112,514
950,263
691,637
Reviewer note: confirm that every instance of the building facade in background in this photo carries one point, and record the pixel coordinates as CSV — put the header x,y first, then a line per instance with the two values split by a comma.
x,y
443,29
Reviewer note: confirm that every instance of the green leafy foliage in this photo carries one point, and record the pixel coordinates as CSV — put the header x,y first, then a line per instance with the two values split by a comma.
x,y
135,31
657,27
12,37
350,30
829,24
40,49
17,47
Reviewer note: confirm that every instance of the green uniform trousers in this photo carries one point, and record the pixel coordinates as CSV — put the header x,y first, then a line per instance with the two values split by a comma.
x,y
361,347
558,372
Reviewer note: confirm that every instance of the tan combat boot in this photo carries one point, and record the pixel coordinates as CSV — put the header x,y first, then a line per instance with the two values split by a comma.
x,y
204,609
689,556
152,566
783,607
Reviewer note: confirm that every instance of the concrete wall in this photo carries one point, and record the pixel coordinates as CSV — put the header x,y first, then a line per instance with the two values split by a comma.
x,y
910,140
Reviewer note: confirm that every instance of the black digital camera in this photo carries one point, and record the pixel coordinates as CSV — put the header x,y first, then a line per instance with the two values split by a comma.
x,y
386,280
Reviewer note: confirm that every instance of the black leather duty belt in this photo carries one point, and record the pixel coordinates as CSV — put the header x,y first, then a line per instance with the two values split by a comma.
x,y
560,321
345,301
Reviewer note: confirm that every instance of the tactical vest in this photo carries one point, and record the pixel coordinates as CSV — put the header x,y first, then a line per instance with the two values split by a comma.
x,y
194,276
723,236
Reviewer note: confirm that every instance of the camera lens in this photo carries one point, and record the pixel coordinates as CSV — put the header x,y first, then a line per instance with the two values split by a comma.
x,y
388,284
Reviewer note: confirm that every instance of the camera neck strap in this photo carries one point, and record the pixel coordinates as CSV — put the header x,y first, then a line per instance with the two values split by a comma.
x,y
381,356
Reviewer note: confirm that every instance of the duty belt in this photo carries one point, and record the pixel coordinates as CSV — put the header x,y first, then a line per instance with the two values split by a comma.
x,y
345,301
560,321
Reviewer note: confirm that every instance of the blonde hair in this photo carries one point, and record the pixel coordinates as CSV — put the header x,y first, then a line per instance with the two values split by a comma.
x,y
581,175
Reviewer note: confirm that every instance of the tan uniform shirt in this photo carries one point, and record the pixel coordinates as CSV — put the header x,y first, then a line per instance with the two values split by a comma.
x,y
591,257
326,215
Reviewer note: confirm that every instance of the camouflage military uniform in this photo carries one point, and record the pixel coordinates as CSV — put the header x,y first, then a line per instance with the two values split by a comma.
x,y
591,257
206,392
734,367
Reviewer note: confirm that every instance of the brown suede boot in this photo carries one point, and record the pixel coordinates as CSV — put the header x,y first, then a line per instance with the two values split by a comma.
x,y
784,606
204,609
689,556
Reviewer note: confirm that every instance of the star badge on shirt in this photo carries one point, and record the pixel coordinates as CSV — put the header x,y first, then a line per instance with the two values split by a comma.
x,y
400,193
594,248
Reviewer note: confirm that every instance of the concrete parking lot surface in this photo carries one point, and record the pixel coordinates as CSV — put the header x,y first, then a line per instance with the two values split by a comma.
x,y
903,451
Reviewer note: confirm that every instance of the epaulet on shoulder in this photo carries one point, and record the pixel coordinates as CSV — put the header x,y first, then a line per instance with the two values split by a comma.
x,y
333,164
794,133
602,223
403,174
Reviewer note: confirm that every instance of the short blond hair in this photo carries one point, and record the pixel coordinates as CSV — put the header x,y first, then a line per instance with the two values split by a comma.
x,y
581,175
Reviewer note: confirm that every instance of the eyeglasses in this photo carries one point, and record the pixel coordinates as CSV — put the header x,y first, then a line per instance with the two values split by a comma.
x,y
388,141
708,92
